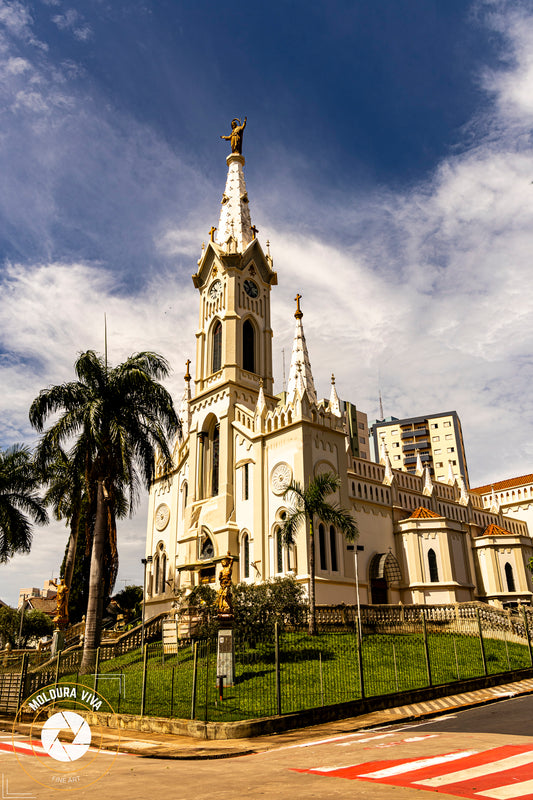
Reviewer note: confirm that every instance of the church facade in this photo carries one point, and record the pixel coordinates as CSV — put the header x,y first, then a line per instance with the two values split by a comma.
x,y
420,541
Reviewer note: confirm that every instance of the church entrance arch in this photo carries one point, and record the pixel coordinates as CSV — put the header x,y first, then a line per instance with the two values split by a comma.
x,y
384,573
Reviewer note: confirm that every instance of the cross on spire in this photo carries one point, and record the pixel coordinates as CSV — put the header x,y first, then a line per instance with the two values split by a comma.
x,y
212,233
298,313
188,374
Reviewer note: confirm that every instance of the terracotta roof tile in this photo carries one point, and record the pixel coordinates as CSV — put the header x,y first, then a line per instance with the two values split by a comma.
x,y
500,485
495,530
423,513
45,604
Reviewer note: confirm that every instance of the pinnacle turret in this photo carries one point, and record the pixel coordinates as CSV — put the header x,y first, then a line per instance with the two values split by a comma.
x,y
300,375
235,230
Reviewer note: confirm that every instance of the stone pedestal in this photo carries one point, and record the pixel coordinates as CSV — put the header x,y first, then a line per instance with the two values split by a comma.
x,y
58,642
226,655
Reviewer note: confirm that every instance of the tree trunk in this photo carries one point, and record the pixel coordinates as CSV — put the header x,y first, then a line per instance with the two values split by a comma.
x,y
95,603
312,601
72,546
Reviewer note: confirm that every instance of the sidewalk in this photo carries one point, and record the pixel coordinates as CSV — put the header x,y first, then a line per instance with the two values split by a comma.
x,y
154,745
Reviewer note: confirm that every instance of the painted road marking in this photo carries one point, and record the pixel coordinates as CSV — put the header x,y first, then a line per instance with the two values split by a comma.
x,y
483,769
26,748
502,773
514,790
422,763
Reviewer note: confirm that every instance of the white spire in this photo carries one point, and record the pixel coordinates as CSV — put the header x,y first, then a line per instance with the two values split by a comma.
x,y
419,467
494,502
184,412
428,483
451,476
235,226
389,474
261,402
300,375
383,455
334,402
465,498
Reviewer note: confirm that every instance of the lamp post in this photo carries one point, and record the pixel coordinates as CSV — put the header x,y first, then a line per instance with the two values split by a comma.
x,y
24,600
144,562
358,549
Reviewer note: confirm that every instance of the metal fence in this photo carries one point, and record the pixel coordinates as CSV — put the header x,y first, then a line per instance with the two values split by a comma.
x,y
289,671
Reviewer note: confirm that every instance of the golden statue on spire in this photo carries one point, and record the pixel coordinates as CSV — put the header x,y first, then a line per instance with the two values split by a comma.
x,y
236,134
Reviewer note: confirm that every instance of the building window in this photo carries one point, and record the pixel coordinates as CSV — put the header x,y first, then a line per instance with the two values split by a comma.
x,y
217,347
205,548
245,550
394,433
449,436
396,458
437,452
447,424
450,450
248,346
156,575
279,551
509,577
435,438
246,482
439,464
396,444
361,426
434,425
322,547
163,574
433,569
333,549
215,460
362,439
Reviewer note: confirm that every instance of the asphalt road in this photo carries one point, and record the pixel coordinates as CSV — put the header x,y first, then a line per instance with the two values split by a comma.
x,y
478,754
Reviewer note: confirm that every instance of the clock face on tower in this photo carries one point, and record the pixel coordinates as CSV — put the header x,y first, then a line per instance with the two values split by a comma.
x,y
215,290
251,288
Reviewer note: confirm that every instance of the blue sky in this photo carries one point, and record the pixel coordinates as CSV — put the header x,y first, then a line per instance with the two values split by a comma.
x,y
388,160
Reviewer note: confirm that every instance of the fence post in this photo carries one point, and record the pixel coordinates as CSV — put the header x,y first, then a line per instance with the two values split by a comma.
x,y
143,696
96,668
56,681
23,671
426,648
359,645
481,643
278,672
194,676
526,623
206,677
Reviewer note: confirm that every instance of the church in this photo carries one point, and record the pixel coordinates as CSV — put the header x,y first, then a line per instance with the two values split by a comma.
x,y
420,540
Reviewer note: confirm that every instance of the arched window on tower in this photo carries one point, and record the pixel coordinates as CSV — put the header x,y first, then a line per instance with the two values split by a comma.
x,y
433,568
509,577
279,551
217,347
333,549
163,577
215,459
156,574
322,547
248,346
245,556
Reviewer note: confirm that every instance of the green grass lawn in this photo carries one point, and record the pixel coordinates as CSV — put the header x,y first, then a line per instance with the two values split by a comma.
x,y
314,671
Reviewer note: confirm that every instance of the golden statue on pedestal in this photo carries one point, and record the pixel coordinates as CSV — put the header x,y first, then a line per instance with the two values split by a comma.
x,y
236,134
61,615
224,601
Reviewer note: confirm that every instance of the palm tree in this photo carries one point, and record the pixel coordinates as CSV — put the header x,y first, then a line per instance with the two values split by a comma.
x,y
309,504
116,420
19,501
66,495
